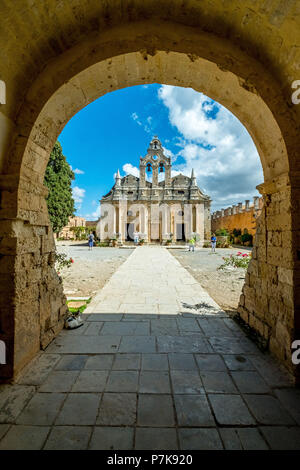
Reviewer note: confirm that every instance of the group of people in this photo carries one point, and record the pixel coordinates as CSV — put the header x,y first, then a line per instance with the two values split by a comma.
x,y
192,241
213,241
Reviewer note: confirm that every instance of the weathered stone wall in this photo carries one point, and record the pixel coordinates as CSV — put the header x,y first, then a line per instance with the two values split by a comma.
x,y
244,219
32,303
267,303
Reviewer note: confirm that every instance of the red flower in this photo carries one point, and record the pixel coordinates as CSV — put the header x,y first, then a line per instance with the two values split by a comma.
x,y
71,259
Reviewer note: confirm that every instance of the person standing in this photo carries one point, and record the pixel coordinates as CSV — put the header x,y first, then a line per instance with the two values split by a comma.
x,y
91,240
136,238
213,241
192,245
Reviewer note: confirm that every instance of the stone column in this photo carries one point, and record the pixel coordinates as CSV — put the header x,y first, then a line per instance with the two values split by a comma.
x,y
154,174
188,220
200,222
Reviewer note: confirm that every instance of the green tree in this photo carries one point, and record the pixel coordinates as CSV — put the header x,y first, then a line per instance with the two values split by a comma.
x,y
58,179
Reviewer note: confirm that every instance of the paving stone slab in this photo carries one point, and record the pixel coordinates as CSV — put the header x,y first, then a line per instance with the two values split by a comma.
x,y
186,382
122,381
59,381
68,438
85,344
79,409
112,438
100,317
155,410
282,437
126,328
217,382
199,439
188,325
155,361
193,410
230,410
42,409
91,381
156,439
238,362
72,362
224,345
38,369
166,326
182,361
93,328
117,409
214,327
139,317
127,362
242,439
137,344
182,344
154,382
13,399
21,437
3,429
99,362
268,410
290,399
271,372
210,362
250,382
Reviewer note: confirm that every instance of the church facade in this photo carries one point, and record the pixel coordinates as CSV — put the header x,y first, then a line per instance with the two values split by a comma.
x,y
156,206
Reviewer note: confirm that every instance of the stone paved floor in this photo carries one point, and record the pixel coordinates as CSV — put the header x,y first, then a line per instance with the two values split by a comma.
x,y
149,371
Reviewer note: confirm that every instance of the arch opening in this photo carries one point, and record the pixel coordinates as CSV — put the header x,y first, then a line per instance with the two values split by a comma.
x,y
50,104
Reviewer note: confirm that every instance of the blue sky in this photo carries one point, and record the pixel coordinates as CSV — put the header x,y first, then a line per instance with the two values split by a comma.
x,y
115,130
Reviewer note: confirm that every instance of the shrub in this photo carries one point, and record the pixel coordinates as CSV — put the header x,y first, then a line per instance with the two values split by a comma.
x,y
240,260
222,232
62,261
247,237
237,232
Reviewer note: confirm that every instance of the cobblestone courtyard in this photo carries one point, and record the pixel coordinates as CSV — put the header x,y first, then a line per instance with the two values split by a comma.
x,y
156,365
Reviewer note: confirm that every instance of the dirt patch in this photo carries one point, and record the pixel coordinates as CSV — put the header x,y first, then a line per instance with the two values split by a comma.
x,y
224,286
91,269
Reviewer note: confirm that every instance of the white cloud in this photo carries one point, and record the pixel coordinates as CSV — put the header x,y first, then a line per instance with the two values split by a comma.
x,y
93,215
215,143
77,171
148,124
78,196
135,117
131,170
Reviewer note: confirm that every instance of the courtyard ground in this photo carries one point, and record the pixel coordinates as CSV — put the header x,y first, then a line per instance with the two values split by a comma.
x,y
91,269
156,365
224,286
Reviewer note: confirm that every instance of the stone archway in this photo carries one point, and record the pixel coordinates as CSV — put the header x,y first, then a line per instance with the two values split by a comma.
x,y
148,51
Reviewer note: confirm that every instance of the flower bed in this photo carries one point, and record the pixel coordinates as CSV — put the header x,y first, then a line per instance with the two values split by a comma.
x,y
240,260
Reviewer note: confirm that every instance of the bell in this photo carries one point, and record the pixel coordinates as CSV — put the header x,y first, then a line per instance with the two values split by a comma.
x,y
148,167
161,168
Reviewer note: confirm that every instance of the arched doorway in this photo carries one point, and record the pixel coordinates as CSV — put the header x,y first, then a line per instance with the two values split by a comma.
x,y
151,51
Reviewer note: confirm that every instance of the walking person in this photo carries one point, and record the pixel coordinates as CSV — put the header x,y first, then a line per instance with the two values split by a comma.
x,y
91,240
192,245
213,241
136,238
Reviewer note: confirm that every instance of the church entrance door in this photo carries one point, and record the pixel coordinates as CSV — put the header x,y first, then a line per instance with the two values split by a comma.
x,y
129,232
180,233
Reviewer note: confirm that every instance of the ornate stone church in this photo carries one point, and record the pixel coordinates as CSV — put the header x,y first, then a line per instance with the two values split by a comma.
x,y
156,206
